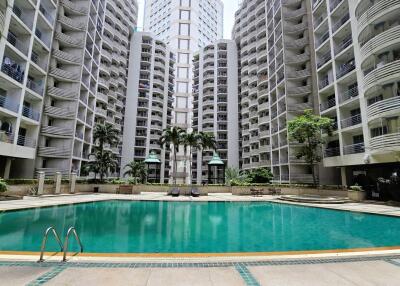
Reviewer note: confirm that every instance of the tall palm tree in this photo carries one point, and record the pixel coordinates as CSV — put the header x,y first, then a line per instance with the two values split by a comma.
x,y
191,140
105,134
207,141
136,169
172,136
103,160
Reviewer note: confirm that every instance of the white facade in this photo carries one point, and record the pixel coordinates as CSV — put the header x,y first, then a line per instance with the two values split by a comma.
x,y
357,45
184,25
149,101
215,104
25,45
61,83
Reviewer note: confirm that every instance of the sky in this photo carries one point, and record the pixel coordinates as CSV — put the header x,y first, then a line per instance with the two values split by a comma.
x,y
230,7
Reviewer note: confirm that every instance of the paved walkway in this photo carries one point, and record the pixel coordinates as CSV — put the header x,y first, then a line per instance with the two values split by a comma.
x,y
52,200
344,271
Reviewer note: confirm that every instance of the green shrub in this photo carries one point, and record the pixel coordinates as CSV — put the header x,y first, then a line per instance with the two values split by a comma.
x,y
3,186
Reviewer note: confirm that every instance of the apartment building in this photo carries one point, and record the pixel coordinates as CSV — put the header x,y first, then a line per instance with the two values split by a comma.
x,y
358,66
64,69
119,23
215,104
277,83
25,46
186,26
149,101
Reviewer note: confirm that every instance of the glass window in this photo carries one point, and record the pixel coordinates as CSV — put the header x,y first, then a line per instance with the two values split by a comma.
x,y
183,72
183,44
184,14
184,29
183,58
181,102
181,117
182,87
185,3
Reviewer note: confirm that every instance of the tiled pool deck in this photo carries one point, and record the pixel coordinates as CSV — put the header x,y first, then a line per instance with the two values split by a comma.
x,y
367,268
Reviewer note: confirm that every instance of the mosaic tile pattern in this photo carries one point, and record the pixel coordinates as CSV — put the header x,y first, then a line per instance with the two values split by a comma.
x,y
241,267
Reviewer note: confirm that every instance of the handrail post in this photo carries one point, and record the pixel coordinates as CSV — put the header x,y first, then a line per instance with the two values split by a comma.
x,y
71,229
44,241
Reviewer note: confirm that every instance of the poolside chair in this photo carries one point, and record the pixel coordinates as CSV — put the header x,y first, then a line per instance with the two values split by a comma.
x,y
175,192
195,192
274,191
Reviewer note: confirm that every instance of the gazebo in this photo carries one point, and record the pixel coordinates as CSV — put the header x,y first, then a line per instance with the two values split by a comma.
x,y
153,168
216,170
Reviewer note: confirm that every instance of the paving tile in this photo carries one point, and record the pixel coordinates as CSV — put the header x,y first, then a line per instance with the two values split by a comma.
x,y
20,275
102,276
195,277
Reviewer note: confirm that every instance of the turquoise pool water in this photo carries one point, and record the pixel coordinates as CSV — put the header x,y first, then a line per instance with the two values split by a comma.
x,y
184,227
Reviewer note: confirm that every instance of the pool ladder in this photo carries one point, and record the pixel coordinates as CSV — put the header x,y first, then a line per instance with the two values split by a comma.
x,y
63,248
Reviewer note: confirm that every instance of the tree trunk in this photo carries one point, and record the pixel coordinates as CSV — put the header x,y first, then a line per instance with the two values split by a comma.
x,y
190,165
175,167
184,161
313,174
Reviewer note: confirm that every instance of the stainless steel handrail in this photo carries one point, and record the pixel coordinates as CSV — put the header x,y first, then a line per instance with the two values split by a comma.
x,y
73,230
44,241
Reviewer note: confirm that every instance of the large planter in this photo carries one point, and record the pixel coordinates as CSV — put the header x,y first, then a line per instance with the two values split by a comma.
x,y
357,196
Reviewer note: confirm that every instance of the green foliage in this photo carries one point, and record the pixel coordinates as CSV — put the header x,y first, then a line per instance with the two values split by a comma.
x,y
234,177
260,175
207,141
3,186
307,129
137,171
103,161
172,136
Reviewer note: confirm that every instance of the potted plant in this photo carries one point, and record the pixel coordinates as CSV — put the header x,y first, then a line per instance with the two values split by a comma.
x,y
356,193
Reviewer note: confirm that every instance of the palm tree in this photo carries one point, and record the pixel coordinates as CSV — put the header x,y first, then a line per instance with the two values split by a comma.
x,y
172,136
105,133
136,169
207,141
190,140
103,160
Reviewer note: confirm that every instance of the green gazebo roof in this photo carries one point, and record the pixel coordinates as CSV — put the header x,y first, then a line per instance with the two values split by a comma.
x,y
152,158
216,160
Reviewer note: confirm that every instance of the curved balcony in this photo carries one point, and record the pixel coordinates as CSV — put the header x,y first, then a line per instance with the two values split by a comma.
x,y
385,141
63,94
54,152
66,57
295,13
57,112
68,40
71,23
55,131
64,75
376,11
380,42
72,7
384,106
382,75
298,91
297,59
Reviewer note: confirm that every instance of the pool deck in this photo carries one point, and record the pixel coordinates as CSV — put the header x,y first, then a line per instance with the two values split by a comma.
x,y
366,267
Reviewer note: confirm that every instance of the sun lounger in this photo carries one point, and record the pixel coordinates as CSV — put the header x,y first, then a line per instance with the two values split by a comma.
x,y
257,192
175,192
195,192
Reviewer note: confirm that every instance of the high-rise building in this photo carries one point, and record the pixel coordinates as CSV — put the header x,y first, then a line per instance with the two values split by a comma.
x,y
62,83
184,25
358,66
25,45
149,101
277,83
215,104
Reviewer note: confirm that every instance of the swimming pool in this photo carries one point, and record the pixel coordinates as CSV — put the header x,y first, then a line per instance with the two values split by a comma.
x,y
197,227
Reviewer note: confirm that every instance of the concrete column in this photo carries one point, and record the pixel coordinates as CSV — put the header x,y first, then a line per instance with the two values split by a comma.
x,y
7,168
40,183
57,183
72,183
343,176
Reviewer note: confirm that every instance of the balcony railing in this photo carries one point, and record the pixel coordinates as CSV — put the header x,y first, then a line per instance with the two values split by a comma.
x,y
351,121
344,44
26,141
354,149
385,141
13,70
13,40
334,4
345,69
8,103
340,22
324,59
30,113
332,152
350,93
327,104
35,86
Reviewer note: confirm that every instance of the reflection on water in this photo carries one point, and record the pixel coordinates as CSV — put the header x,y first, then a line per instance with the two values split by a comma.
x,y
117,226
